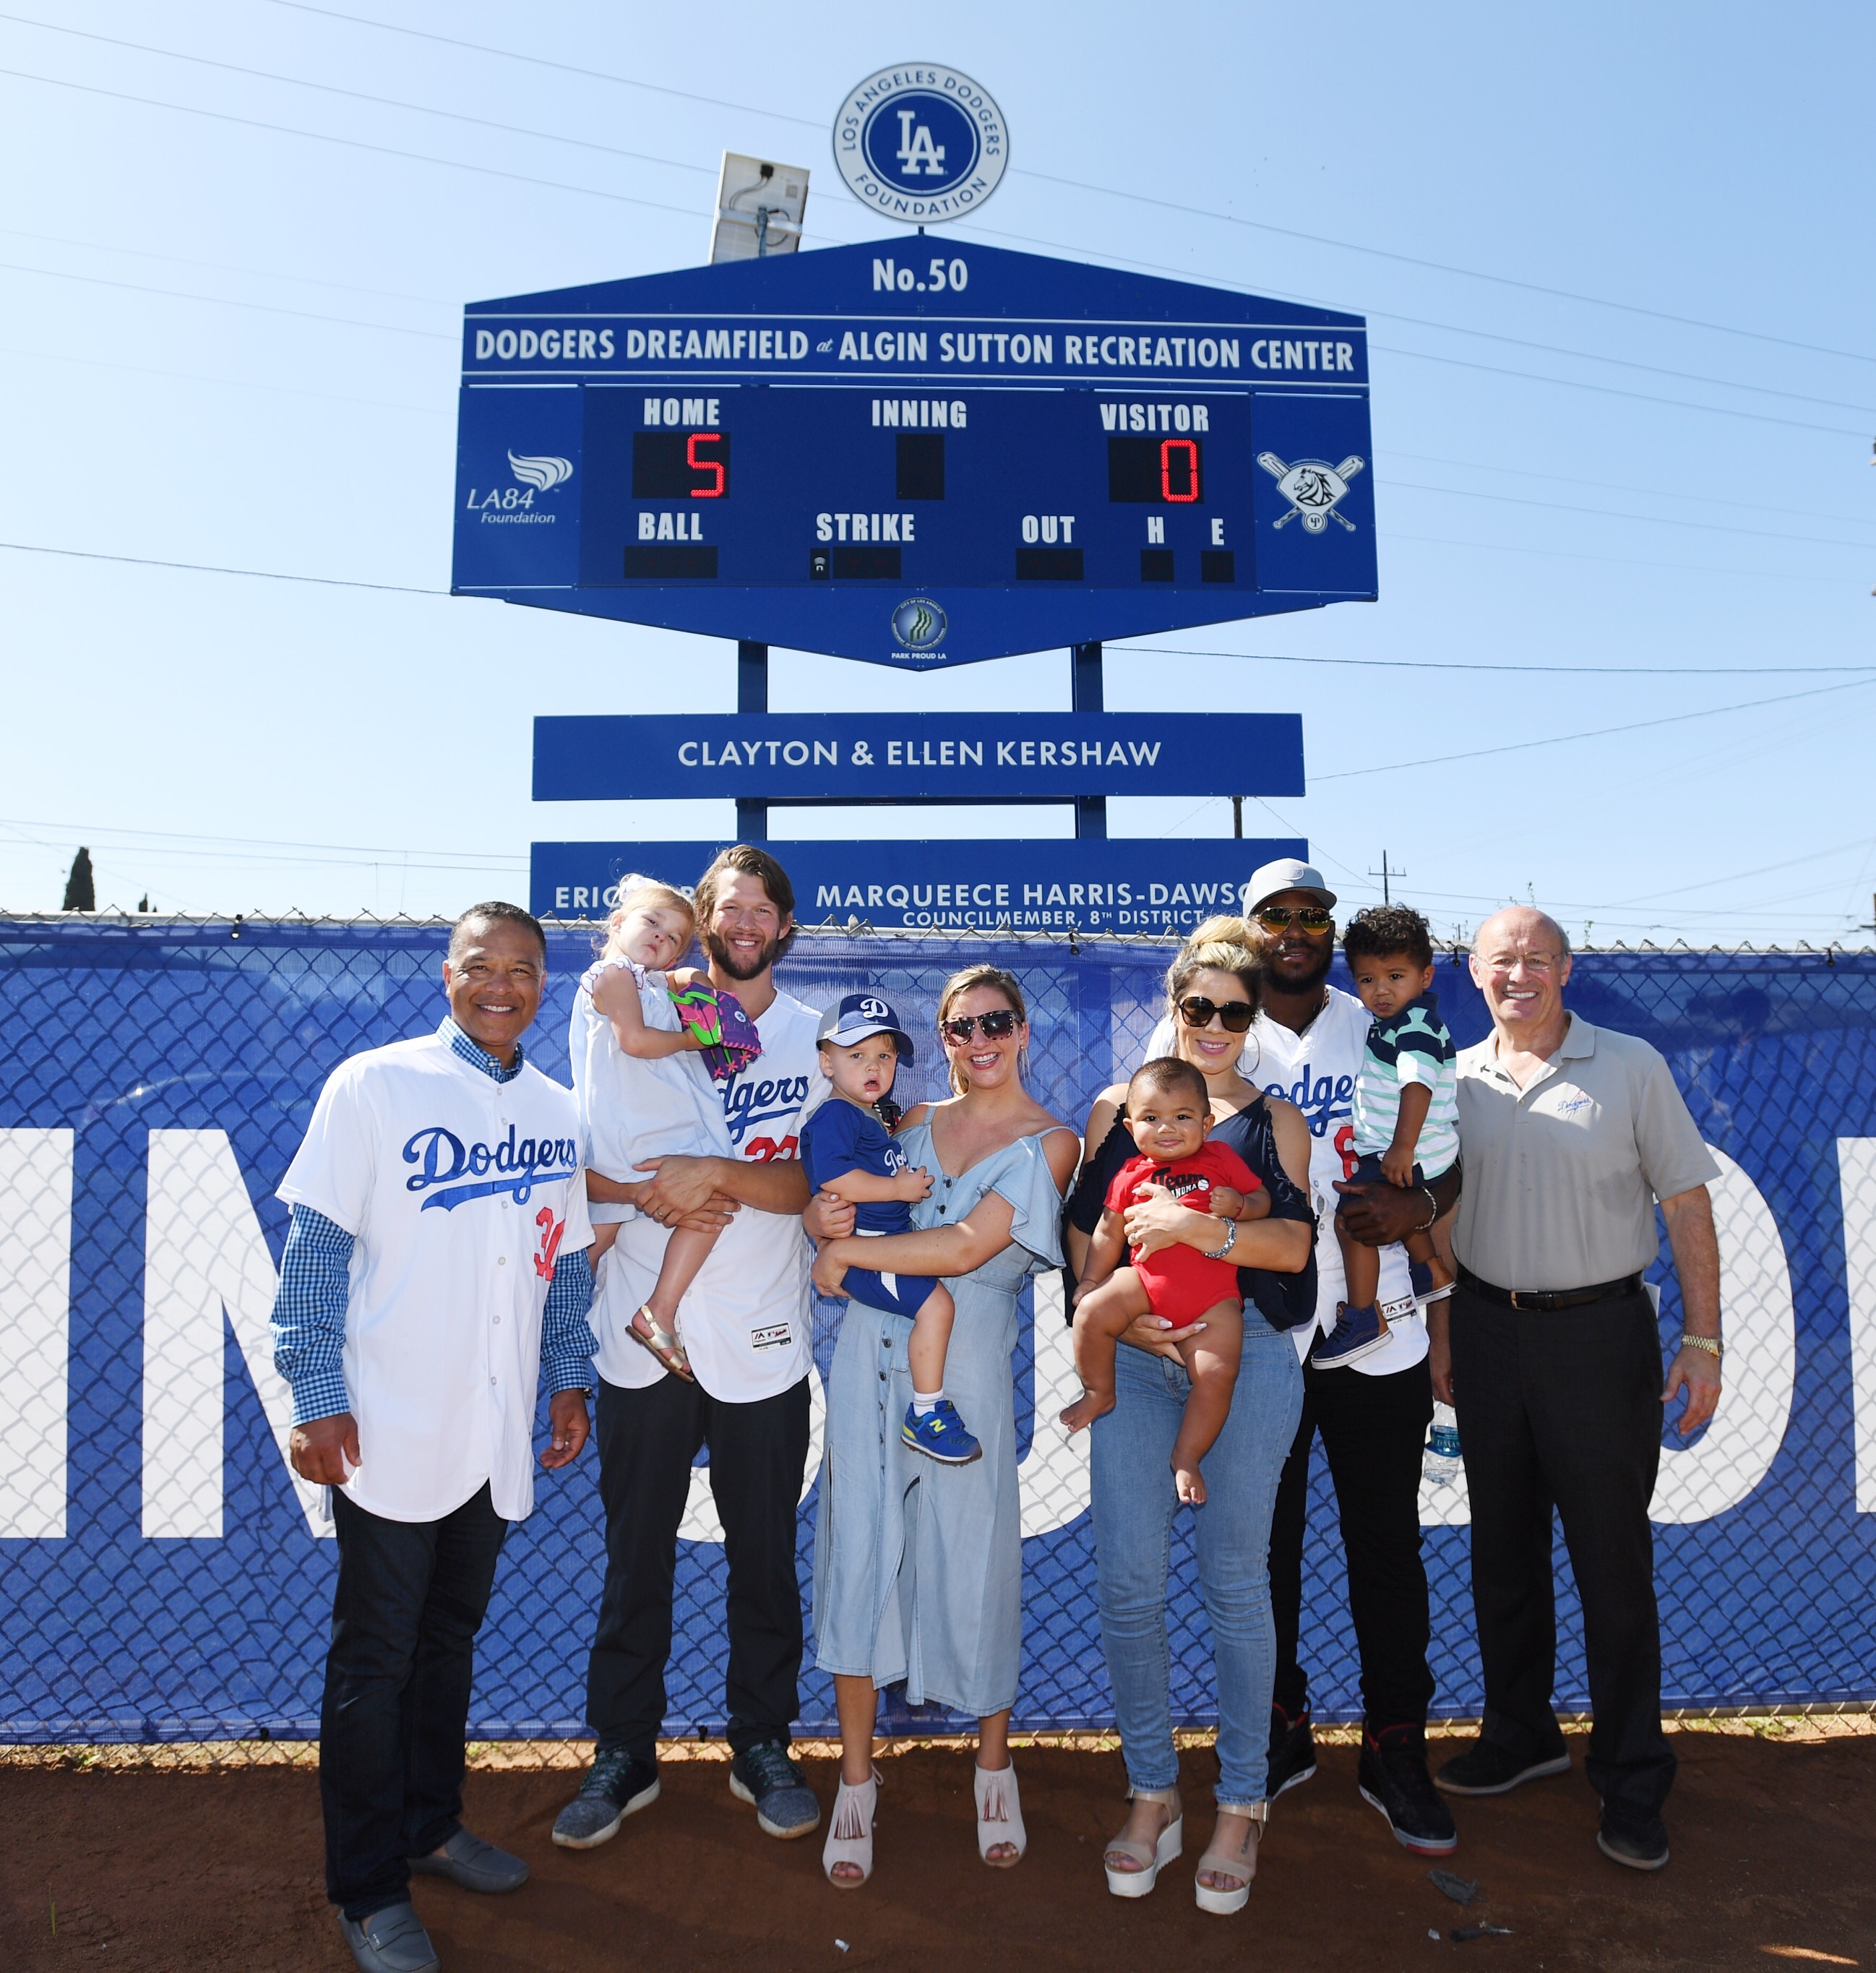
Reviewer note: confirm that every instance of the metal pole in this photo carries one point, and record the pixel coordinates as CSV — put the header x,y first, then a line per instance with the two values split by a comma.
x,y
1085,695
1237,815
752,695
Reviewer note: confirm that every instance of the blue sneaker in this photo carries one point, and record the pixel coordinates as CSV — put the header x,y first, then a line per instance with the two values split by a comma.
x,y
940,1434
1357,1334
1427,1284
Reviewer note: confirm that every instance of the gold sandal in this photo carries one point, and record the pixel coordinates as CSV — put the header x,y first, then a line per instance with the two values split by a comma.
x,y
662,1342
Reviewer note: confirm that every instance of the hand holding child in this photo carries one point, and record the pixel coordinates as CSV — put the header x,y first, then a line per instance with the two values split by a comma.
x,y
828,1273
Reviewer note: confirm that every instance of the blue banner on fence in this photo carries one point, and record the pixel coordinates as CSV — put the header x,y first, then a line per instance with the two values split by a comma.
x,y
162,1577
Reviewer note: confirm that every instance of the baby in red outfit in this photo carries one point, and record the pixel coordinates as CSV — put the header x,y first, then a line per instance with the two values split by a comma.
x,y
1168,1114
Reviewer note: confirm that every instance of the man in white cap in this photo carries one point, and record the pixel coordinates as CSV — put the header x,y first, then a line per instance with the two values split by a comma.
x,y
1307,1044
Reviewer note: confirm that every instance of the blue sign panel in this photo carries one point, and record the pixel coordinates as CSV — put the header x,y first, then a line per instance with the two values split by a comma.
x,y
885,757
911,457
1142,885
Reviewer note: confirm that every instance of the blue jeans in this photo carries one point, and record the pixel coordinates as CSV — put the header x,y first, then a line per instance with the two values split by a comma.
x,y
1134,1504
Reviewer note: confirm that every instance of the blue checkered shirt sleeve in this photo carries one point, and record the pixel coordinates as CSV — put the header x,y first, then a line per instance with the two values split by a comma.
x,y
310,1314
567,1342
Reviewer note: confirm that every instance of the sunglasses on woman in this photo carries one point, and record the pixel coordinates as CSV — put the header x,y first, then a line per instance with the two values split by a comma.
x,y
1196,1012
1305,918
998,1026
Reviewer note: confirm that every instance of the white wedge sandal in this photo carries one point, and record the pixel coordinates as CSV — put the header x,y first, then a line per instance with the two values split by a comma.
x,y
999,1814
1241,1864
850,1831
1136,1883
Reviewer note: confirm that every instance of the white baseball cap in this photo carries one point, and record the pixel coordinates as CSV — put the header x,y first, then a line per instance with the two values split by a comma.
x,y
1287,873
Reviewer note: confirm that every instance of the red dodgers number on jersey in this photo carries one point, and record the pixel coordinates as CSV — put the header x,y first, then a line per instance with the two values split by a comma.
x,y
767,1150
551,1231
1345,1149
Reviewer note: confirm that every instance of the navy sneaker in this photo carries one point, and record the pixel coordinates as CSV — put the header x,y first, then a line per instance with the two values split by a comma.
x,y
1393,1778
1427,1285
940,1434
1487,1769
1357,1334
785,1803
1293,1752
616,1786
1632,1837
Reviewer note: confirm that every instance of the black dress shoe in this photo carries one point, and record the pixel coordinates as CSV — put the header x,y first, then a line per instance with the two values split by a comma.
x,y
1293,1752
1632,1837
1393,1778
1487,1769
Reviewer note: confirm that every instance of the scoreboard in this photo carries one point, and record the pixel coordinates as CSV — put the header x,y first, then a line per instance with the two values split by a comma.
x,y
915,464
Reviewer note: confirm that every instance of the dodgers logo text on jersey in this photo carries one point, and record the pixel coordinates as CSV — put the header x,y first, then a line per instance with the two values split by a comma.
x,y
747,1103
1323,1100
451,1171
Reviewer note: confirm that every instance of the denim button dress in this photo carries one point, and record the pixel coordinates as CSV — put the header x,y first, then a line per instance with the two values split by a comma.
x,y
918,1566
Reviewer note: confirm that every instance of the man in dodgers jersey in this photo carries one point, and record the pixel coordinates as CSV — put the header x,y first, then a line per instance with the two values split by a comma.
x,y
435,1264
747,1331
1307,1044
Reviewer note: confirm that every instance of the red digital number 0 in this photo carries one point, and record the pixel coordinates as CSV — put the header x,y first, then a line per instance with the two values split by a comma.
x,y
1189,465
704,465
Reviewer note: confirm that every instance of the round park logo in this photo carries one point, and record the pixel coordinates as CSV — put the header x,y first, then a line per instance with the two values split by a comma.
x,y
920,142
919,624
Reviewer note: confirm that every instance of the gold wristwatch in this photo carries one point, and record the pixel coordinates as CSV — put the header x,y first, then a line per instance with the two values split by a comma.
x,y
1711,1344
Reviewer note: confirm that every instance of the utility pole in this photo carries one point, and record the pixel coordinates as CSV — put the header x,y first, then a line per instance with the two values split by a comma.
x,y
1386,876
1237,815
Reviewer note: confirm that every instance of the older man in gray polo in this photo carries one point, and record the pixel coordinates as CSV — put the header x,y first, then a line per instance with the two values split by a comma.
x,y
1570,1133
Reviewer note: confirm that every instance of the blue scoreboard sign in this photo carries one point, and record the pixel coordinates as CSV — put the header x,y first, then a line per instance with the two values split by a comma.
x,y
914,456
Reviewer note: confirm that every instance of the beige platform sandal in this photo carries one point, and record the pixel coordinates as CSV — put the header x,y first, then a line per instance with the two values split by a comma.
x,y
850,1832
1149,1862
999,1814
1241,1864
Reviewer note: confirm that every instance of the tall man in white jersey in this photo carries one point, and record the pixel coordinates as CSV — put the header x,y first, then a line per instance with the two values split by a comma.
x,y
435,1265
1307,1044
747,1331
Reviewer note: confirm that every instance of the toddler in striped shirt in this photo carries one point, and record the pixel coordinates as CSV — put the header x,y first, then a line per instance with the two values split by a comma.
x,y
1406,1112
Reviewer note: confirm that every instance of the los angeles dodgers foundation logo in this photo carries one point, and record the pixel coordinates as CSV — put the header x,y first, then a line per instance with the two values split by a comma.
x,y
921,142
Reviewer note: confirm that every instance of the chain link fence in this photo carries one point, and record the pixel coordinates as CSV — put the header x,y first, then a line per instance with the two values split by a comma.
x,y
163,1578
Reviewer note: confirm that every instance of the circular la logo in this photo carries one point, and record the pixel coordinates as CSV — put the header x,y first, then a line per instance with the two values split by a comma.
x,y
921,143
919,624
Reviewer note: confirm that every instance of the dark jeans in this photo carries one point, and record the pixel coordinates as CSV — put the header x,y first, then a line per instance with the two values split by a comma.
x,y
758,1454
411,1596
1374,1431
1563,1412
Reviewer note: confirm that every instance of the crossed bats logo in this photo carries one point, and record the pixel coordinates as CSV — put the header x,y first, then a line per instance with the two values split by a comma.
x,y
1312,487
541,471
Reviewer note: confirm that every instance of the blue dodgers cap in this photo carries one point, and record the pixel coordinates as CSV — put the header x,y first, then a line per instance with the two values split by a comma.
x,y
860,1015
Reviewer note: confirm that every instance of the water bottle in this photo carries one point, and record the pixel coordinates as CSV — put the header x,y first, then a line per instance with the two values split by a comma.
x,y
1440,1465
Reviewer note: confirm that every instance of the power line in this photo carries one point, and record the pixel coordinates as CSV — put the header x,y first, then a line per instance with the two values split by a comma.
x,y
1442,665
231,383
219,301
1596,733
352,144
359,96
1108,192
1619,561
173,843
210,568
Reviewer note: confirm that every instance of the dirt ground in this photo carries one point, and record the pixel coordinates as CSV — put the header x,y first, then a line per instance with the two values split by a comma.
x,y
1772,1864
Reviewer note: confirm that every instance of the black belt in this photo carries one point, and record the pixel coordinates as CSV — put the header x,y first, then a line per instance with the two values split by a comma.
x,y
1546,1301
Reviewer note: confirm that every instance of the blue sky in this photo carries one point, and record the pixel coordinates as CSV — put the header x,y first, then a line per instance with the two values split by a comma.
x,y
231,341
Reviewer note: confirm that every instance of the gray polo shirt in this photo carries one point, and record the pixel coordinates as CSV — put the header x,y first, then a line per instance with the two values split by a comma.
x,y
1561,1179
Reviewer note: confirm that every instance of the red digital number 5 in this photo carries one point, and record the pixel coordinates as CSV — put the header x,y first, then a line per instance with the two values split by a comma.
x,y
704,465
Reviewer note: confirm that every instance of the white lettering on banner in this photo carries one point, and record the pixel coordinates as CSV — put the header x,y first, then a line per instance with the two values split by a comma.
x,y
1732,1457
204,1253
700,1521
1856,1168
35,1322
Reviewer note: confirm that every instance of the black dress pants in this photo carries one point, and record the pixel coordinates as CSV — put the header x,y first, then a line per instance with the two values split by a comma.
x,y
758,1454
1374,1432
1563,1412
411,1596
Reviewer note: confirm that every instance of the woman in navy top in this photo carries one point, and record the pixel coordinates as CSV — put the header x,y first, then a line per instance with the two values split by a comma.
x,y
1213,991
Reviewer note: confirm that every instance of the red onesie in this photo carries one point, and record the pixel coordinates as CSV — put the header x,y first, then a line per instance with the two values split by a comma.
x,y
1180,1282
